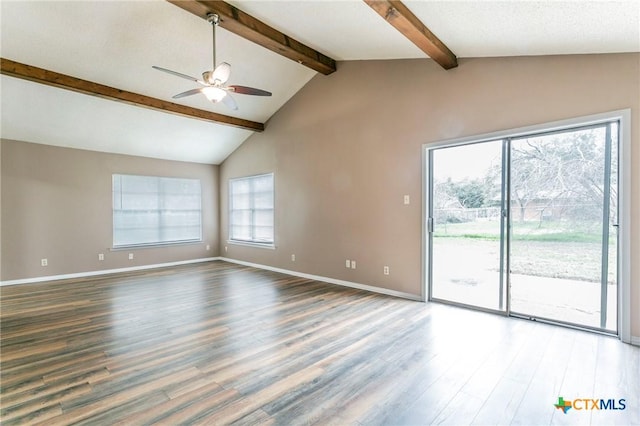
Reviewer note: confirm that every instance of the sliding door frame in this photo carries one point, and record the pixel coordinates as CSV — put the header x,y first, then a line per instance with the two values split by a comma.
x,y
624,201
504,220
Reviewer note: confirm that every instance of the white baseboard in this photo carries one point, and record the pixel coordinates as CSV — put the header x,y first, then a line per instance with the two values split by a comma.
x,y
104,272
209,259
328,280
635,340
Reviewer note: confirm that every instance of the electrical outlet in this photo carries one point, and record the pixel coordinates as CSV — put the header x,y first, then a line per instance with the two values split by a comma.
x,y
100,256
347,263
385,270
353,264
293,257
208,247
130,256
44,262
407,199
225,249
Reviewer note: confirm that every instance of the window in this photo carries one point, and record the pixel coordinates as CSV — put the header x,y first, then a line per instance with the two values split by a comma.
x,y
149,210
251,209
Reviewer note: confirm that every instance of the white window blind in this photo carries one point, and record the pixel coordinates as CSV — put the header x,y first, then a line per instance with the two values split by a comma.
x,y
150,210
251,209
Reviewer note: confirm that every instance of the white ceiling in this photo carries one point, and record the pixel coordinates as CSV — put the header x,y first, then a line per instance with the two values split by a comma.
x,y
116,43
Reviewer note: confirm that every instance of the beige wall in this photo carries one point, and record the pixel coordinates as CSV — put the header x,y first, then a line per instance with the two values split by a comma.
x,y
347,148
56,204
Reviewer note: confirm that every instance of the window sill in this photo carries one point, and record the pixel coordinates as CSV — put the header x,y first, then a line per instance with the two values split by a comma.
x,y
155,245
269,246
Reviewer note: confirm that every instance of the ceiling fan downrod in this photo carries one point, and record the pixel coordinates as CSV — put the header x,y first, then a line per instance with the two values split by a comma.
x,y
214,20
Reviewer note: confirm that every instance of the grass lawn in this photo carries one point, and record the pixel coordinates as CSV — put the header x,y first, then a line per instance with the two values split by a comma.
x,y
556,250
524,231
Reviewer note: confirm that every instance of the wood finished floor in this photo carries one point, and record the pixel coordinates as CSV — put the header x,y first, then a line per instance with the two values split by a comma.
x,y
217,343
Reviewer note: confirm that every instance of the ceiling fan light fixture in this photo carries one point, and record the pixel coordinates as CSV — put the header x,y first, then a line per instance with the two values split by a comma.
x,y
214,94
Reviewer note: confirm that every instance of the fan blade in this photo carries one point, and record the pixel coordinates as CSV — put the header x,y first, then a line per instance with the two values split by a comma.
x,y
244,90
187,93
230,102
177,74
221,73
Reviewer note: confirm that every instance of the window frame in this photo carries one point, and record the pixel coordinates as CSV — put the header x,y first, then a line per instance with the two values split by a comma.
x,y
252,242
159,211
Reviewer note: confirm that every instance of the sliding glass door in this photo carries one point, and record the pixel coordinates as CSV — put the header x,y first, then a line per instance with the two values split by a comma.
x,y
467,225
527,225
563,242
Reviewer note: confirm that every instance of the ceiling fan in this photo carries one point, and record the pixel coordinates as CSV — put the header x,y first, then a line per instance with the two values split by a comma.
x,y
213,82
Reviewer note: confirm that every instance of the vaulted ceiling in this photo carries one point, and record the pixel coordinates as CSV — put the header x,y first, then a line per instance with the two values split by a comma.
x,y
116,43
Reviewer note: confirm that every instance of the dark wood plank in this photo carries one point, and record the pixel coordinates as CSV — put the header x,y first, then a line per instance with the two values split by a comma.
x,y
246,26
402,19
55,79
216,343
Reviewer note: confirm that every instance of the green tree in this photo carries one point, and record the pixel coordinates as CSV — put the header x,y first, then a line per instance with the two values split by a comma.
x,y
471,194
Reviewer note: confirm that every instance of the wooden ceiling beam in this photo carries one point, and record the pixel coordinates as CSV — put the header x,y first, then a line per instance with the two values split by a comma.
x,y
52,78
240,23
398,15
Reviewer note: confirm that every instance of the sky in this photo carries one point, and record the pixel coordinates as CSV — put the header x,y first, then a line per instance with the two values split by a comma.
x,y
466,161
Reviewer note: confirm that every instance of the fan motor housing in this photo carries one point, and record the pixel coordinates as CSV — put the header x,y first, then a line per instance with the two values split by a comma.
x,y
207,76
